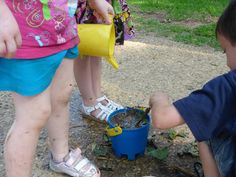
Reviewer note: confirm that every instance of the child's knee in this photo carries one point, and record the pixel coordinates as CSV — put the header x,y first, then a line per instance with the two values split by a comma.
x,y
42,118
39,117
62,97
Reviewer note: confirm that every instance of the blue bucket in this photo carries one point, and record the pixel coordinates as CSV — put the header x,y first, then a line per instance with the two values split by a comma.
x,y
129,142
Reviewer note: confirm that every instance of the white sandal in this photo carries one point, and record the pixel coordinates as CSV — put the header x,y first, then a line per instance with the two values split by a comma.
x,y
102,115
110,104
75,165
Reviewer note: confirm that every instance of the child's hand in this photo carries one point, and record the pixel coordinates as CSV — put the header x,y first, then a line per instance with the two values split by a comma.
x,y
10,37
102,9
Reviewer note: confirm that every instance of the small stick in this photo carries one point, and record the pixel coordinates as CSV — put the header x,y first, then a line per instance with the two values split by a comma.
x,y
147,110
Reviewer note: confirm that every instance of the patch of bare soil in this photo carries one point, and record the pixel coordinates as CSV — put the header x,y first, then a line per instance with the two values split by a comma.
x,y
147,63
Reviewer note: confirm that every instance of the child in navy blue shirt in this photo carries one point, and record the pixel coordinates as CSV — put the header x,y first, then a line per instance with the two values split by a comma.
x,y
210,112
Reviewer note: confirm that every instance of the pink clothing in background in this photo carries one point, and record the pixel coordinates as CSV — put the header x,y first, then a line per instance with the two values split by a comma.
x,y
46,26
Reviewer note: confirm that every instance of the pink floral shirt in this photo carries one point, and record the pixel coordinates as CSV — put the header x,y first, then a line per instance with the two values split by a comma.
x,y
47,26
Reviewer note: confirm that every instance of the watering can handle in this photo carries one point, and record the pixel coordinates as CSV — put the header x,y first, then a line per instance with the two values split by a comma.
x,y
114,131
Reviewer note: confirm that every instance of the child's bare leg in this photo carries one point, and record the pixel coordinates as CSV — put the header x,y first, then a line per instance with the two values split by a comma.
x,y
82,70
58,124
208,162
31,114
96,69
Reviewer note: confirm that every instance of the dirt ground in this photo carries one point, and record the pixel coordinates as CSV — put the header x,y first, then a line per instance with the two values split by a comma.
x,y
147,63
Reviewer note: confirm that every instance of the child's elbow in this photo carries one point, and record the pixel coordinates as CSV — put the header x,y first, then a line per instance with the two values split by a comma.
x,y
159,125
155,122
158,120
166,117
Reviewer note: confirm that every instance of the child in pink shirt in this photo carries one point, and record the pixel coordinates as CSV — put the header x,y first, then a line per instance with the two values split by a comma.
x,y
38,42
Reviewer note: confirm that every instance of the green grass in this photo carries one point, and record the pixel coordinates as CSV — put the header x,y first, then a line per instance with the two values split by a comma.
x,y
177,13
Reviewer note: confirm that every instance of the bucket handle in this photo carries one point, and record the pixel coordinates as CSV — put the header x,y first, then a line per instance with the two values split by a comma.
x,y
113,131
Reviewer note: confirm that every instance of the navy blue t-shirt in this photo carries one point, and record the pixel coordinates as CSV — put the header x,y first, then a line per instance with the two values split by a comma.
x,y
210,111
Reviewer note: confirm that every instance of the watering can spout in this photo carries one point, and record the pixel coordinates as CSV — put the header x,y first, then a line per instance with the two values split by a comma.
x,y
113,62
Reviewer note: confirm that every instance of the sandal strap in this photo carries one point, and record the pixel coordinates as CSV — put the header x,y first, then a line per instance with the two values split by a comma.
x,y
80,163
104,111
104,97
88,109
72,156
110,104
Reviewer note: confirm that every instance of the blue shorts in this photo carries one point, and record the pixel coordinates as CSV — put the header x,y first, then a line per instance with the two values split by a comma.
x,y
31,77
224,151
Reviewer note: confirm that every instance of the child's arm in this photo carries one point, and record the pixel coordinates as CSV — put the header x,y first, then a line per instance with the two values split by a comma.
x,y
10,37
164,115
102,8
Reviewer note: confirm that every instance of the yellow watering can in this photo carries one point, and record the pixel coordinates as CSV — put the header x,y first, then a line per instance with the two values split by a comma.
x,y
98,40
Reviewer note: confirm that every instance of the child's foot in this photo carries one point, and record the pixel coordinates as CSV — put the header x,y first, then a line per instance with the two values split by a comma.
x,y
75,165
109,103
98,112
101,111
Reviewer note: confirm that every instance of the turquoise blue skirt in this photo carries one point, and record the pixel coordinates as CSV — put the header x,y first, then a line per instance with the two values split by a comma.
x,y
31,77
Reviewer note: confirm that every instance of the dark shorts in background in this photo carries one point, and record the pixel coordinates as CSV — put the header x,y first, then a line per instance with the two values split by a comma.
x,y
224,151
